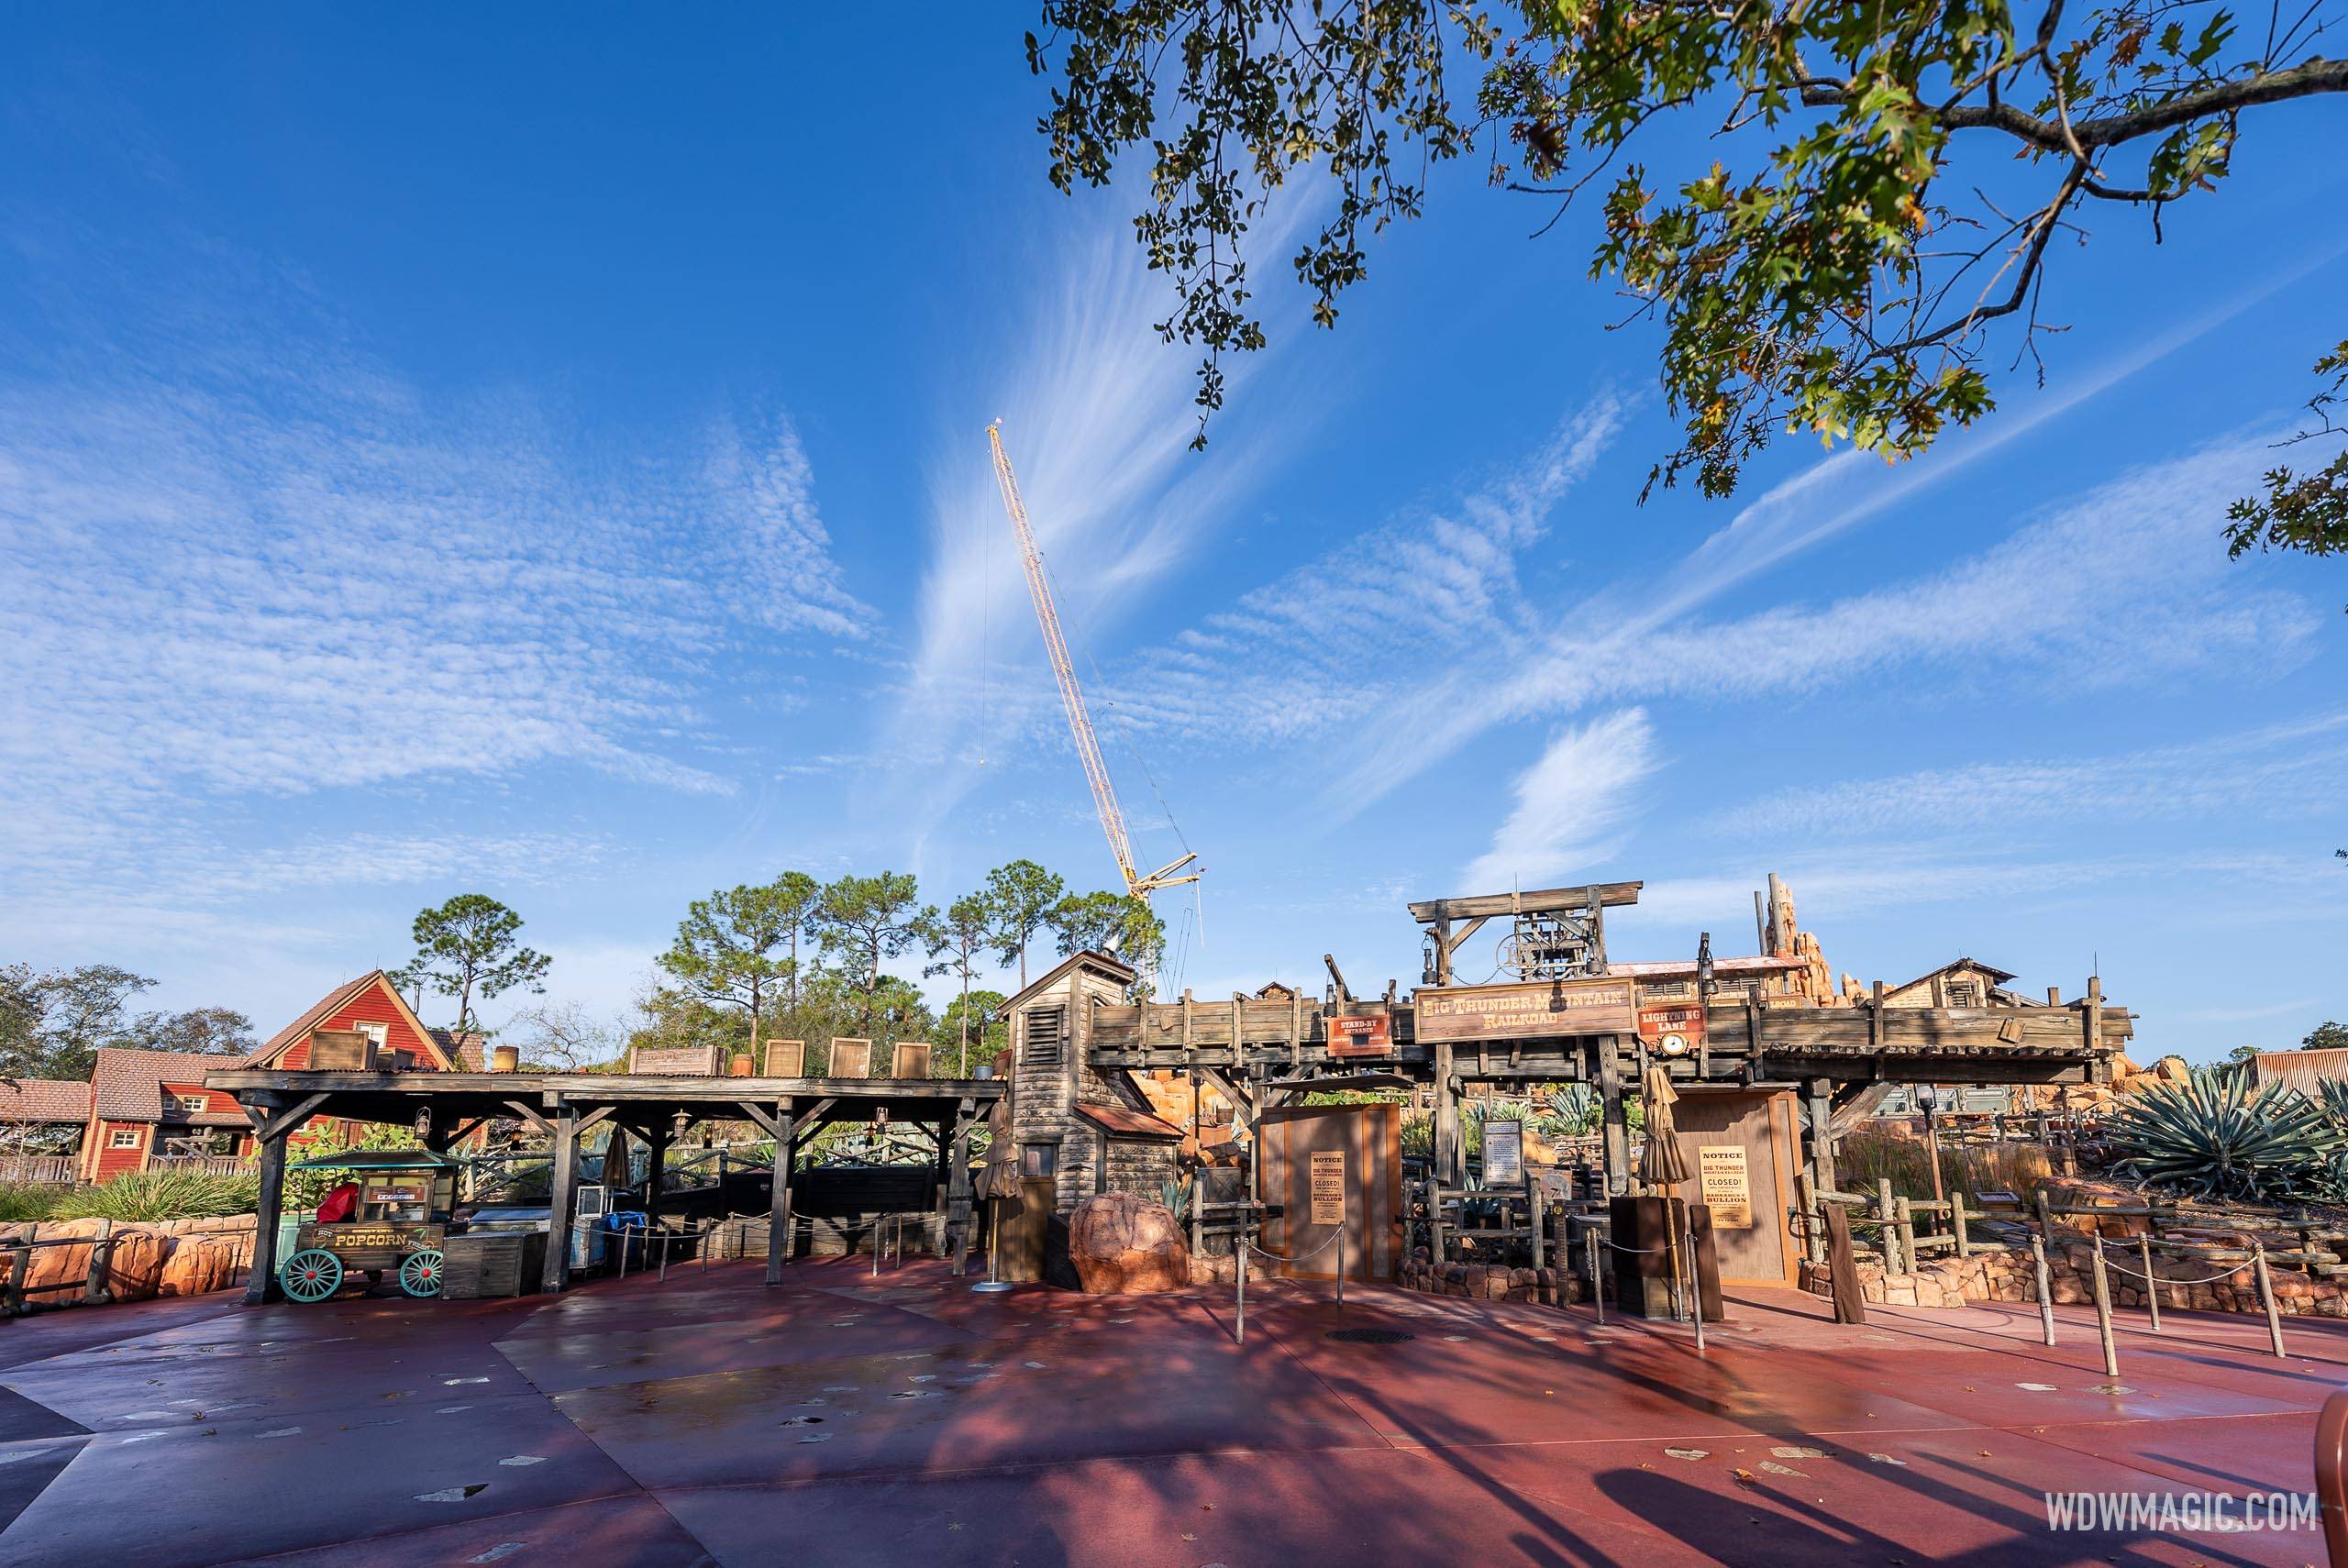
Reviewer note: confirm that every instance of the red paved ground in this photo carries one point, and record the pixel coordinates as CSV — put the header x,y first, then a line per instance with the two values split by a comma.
x,y
841,1420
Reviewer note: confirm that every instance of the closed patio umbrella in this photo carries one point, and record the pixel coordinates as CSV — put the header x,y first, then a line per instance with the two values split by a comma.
x,y
998,1183
1662,1162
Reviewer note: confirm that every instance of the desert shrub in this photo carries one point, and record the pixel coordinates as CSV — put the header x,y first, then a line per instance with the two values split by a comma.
x,y
1864,1156
161,1195
22,1200
2217,1137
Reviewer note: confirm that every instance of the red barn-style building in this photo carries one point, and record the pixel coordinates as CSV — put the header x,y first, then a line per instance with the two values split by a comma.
x,y
141,1102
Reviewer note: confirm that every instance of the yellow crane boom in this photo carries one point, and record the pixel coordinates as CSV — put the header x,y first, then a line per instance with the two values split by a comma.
x,y
1079,722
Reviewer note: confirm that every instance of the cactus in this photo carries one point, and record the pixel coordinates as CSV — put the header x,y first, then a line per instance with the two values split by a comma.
x,y
2217,1137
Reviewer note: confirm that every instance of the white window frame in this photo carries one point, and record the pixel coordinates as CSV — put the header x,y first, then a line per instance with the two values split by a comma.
x,y
379,1033
123,1138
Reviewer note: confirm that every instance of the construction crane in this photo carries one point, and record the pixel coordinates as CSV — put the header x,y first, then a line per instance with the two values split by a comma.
x,y
1079,722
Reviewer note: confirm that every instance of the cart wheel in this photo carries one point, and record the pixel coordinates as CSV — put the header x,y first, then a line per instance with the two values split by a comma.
x,y
311,1275
420,1273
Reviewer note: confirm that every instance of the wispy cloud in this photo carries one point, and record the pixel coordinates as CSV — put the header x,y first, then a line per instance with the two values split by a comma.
x,y
1803,511
1571,804
2284,769
1097,418
261,564
1327,643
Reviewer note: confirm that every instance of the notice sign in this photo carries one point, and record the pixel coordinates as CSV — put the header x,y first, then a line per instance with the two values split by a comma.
x,y
1329,1186
1504,1154
1727,1186
1517,1012
1369,1036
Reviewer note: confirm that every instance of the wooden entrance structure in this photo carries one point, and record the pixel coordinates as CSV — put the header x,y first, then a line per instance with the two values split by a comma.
x,y
654,1108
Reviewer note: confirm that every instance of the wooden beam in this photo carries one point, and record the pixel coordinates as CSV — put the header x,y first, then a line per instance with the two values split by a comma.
x,y
561,1197
284,1121
779,1197
529,1113
1614,1119
1607,895
267,1211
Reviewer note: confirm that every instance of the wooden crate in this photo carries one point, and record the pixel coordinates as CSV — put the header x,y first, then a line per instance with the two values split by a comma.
x,y
786,1058
850,1058
498,1264
341,1050
912,1060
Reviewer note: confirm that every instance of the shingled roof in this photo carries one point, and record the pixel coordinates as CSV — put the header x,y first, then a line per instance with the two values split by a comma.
x,y
323,1009
128,1086
44,1099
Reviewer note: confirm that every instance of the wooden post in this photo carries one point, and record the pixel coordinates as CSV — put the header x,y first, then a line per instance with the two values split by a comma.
x,y
958,1184
1597,1285
1446,1119
1198,1214
1532,1203
560,1199
1434,1218
1615,1126
1956,1219
1821,1134
1903,1218
2046,1285
779,1194
656,1166
94,1284
261,1279
2266,1288
1814,1223
1887,1237
2103,1311
2151,1280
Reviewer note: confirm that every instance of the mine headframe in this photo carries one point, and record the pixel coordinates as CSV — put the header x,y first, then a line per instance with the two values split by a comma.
x,y
1554,934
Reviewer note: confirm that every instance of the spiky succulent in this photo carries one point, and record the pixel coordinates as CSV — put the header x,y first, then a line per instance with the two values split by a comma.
x,y
2217,1136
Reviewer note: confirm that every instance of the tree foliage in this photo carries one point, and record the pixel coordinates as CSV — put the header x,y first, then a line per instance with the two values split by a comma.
x,y
55,1022
1888,182
470,947
867,920
2305,512
725,950
1117,924
1021,897
2326,1036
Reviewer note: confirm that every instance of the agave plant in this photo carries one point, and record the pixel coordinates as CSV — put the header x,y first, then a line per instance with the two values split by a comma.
x,y
2217,1136
1175,1194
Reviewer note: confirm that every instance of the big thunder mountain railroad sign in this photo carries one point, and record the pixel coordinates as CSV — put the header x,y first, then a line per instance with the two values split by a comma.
x,y
1521,1012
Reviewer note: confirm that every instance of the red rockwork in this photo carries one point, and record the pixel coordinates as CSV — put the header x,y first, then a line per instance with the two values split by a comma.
x,y
1125,1245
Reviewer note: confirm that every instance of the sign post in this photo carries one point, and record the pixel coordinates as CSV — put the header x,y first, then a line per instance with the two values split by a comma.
x,y
1327,1174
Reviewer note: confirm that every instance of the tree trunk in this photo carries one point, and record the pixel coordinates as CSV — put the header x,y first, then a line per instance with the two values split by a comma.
x,y
963,1069
757,996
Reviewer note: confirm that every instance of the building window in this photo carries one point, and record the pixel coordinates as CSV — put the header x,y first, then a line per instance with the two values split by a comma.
x,y
123,1138
377,1032
1038,1159
193,1104
1963,993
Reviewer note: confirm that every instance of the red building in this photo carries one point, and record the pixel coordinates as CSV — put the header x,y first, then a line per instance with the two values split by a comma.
x,y
144,1105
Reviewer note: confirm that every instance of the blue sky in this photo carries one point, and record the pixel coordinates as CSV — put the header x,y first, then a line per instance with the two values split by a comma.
x,y
545,455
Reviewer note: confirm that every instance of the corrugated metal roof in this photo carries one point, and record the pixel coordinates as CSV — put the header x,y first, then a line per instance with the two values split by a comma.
x,y
1129,1123
1651,967
2302,1070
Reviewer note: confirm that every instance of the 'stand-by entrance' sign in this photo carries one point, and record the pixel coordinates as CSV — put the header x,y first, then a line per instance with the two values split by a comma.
x,y
1370,1034
1536,1007
1727,1186
1328,1186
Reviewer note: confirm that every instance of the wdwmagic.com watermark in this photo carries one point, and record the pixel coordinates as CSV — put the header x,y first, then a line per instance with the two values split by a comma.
x,y
2182,1513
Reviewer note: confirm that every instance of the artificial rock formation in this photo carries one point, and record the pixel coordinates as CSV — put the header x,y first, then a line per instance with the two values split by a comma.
x,y
1125,1245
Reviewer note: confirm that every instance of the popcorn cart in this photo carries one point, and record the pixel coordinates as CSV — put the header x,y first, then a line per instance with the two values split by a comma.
x,y
393,1222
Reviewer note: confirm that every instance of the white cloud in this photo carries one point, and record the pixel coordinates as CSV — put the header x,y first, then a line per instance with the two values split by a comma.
x,y
1571,805
229,581
1330,643
2285,769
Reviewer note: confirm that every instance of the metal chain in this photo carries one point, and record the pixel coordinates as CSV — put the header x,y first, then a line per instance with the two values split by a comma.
x,y
1293,1257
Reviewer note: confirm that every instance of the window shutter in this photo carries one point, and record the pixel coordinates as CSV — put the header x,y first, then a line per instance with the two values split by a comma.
x,y
1047,1029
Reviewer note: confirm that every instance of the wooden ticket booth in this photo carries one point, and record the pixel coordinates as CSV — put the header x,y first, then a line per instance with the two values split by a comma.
x,y
1743,1149
1330,1165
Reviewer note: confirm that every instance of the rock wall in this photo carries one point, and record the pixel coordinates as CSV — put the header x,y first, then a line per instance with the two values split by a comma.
x,y
167,1257
1489,1282
2010,1274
